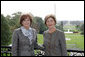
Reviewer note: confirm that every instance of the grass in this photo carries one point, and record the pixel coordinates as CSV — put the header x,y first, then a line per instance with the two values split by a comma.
x,y
40,38
77,40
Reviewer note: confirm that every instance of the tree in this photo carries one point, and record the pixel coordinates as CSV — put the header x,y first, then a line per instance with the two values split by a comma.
x,y
14,21
5,31
40,24
82,28
60,26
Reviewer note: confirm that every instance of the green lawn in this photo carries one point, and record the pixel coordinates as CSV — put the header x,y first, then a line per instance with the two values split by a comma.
x,y
40,38
77,40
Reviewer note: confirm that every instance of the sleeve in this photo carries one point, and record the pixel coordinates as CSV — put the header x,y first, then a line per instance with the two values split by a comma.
x,y
15,43
63,44
36,46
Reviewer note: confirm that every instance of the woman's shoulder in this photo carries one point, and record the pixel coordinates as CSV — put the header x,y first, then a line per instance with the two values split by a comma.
x,y
34,30
45,31
17,30
59,31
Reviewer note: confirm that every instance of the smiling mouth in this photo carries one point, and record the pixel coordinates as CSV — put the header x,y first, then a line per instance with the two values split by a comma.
x,y
50,25
26,24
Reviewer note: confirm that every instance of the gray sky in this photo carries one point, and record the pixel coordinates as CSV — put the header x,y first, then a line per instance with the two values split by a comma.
x,y
65,10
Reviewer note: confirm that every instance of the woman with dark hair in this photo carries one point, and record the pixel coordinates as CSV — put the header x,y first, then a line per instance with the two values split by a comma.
x,y
54,39
24,38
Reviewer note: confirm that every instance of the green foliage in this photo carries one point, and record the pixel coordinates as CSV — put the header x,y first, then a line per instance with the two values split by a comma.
x,y
40,24
59,27
5,32
34,25
82,28
77,27
8,24
14,21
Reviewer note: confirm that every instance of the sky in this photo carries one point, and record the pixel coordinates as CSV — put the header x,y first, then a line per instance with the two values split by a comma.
x,y
63,10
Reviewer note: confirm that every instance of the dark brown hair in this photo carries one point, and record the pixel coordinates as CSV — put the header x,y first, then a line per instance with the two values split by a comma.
x,y
24,16
50,16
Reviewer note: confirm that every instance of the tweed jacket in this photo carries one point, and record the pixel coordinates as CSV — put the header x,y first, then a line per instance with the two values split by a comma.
x,y
54,43
21,44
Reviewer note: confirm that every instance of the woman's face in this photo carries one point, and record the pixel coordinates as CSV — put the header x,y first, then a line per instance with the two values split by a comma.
x,y
26,22
50,23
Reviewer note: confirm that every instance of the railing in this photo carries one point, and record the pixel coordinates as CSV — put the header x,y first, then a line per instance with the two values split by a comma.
x,y
75,52
6,51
